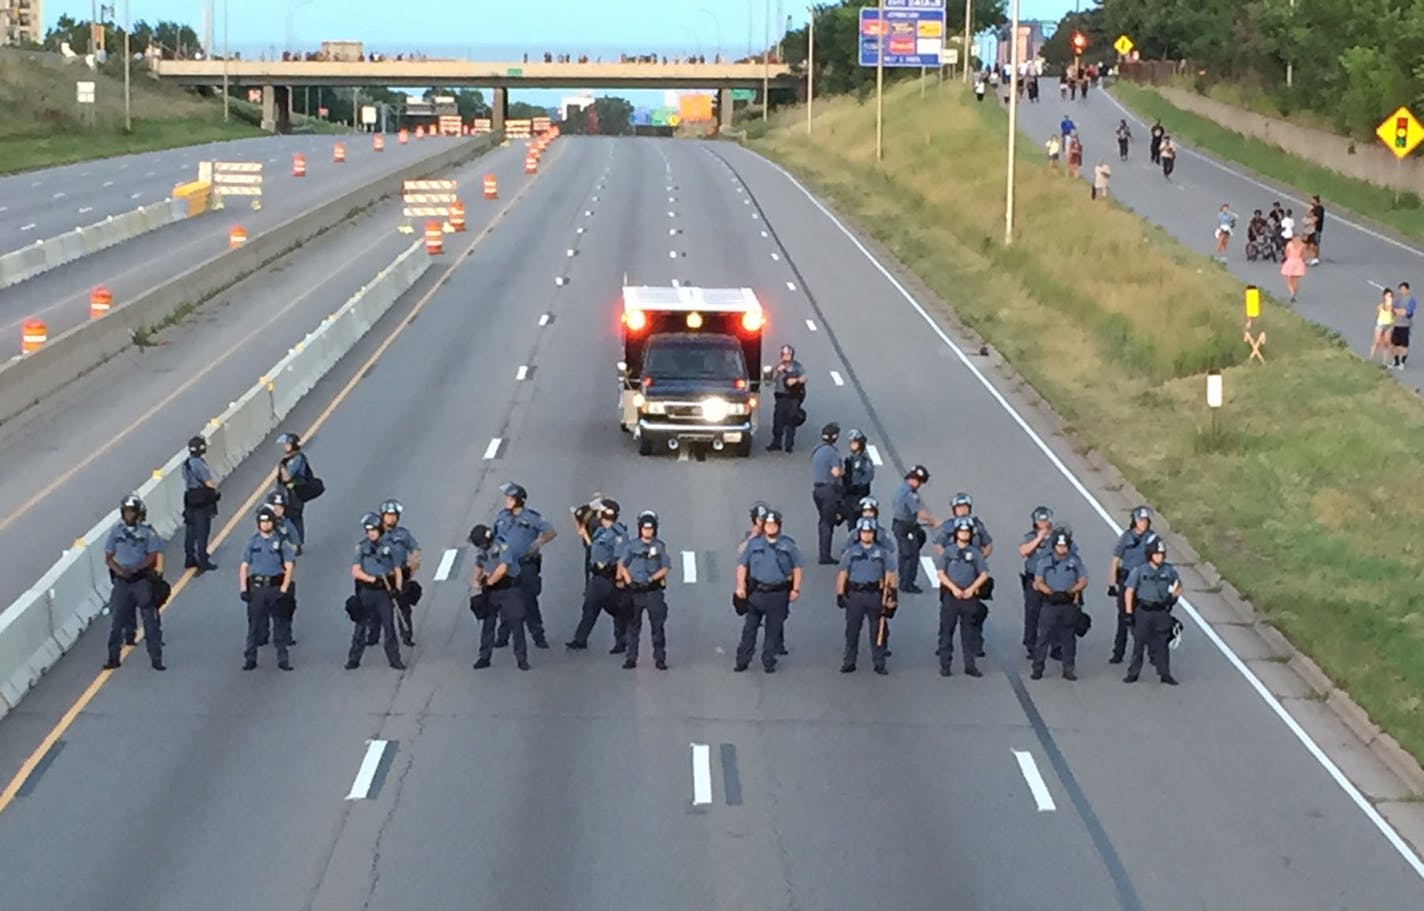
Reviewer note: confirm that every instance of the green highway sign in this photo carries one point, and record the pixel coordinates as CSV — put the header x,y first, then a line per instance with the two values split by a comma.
x,y
743,94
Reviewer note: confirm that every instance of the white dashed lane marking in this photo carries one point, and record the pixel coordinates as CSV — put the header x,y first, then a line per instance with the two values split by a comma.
x,y
447,563
874,454
366,774
543,319
493,448
701,774
689,567
811,324
791,286
522,372
836,378
1036,785
776,257
931,574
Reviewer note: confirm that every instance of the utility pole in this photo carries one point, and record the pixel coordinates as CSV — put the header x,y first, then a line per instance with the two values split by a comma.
x,y
810,67
227,54
968,47
128,98
766,66
1290,64
1013,120
880,81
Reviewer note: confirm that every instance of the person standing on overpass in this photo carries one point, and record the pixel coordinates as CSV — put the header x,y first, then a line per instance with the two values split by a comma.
x,y
1404,304
1317,220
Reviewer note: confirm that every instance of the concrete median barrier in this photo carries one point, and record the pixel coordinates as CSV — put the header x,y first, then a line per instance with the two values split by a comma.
x,y
75,352
19,265
45,622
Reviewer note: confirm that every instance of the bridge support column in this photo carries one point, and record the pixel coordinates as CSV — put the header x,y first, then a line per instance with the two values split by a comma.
x,y
276,104
724,108
499,103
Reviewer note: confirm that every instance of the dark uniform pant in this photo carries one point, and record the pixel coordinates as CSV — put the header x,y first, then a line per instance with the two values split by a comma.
x,y
828,506
960,612
907,547
863,609
655,605
197,528
1124,623
773,608
530,584
1057,627
507,612
376,602
599,595
265,612
782,421
1033,607
1152,629
129,601
295,508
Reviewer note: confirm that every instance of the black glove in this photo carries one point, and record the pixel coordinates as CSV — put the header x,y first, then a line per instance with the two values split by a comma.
x,y
1112,591
1171,601
246,597
841,601
1061,598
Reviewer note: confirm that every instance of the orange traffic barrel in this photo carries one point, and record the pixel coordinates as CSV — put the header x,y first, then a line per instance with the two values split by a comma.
x,y
457,215
434,239
491,187
237,236
403,136
378,142
338,152
531,164
33,334
100,299
299,165
420,132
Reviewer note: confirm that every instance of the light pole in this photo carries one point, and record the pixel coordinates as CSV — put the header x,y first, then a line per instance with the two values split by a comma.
x,y
716,24
810,66
968,48
128,99
227,55
1290,64
751,17
1013,119
879,80
766,66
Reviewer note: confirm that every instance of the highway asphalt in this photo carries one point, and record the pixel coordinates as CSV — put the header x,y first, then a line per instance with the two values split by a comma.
x,y
1356,262
573,785
41,204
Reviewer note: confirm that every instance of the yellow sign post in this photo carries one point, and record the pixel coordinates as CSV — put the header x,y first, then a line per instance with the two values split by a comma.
x,y
1400,132
1123,45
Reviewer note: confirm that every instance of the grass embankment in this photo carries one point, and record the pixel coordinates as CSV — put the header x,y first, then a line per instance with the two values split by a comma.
x,y
43,125
1366,199
1309,503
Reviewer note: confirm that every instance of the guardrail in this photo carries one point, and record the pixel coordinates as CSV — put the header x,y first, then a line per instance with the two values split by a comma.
x,y
73,353
43,255
44,622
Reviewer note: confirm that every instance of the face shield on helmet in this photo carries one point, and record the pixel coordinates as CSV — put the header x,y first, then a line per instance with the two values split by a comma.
x,y
371,522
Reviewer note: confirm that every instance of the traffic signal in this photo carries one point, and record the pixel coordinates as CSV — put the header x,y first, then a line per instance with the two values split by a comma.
x,y
1401,132
1080,42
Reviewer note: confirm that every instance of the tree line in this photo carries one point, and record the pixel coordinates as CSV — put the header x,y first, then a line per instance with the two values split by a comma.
x,y
172,39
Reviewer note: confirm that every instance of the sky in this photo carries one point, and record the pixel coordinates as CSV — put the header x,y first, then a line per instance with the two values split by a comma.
x,y
485,30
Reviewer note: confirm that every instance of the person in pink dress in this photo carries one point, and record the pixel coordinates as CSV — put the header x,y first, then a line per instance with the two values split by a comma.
x,y
1294,266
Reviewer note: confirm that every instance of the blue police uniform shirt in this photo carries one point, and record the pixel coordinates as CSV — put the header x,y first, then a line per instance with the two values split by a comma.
x,y
288,531
606,546
196,472
1060,573
520,531
961,564
1153,583
130,547
944,535
487,558
401,542
907,503
823,459
867,563
1045,547
1131,549
785,372
862,470
770,562
883,538
375,558
643,558
266,555
297,466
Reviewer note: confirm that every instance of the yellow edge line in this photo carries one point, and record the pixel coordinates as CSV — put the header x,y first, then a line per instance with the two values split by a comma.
x,y
27,768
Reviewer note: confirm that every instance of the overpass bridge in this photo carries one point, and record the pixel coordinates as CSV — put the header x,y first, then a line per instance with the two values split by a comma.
x,y
276,78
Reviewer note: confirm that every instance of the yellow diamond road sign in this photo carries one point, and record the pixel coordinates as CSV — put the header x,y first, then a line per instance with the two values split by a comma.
x,y
1400,132
1123,45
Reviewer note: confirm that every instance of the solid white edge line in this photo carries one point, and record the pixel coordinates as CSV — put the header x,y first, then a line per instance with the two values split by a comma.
x,y
522,372
361,787
689,567
836,378
701,774
447,563
492,448
1036,785
811,324
874,454
931,574
1275,705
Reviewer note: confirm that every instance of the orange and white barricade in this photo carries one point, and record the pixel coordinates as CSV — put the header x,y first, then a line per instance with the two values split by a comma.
x,y
378,142
33,334
403,137
100,300
457,215
299,165
236,237
420,132
491,187
531,164
338,152
434,238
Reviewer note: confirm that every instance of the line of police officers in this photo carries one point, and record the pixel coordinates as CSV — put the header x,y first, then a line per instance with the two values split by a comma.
x,y
626,575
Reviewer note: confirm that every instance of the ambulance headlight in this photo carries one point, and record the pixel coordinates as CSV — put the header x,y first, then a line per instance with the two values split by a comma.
x,y
715,410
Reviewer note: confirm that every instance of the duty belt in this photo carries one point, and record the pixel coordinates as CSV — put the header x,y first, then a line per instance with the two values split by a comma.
x,y
536,560
264,580
639,588
606,573
770,586
1153,605
864,586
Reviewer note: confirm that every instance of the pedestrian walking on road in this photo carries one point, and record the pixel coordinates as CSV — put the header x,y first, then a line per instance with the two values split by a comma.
x,y
1054,147
1225,224
644,567
1150,592
1168,154
1101,175
1404,305
1294,266
1155,135
200,507
1316,221
1124,136
1075,155
979,87
1384,326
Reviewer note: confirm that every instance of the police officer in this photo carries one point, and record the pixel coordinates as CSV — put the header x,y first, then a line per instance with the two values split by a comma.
x,y
1036,545
757,514
769,578
858,473
200,505
962,572
962,505
1059,578
293,469
496,575
826,473
601,589
789,387
644,567
378,578
587,520
134,552
1150,592
907,517
264,579
131,622
869,508
283,528
1129,553
525,531
407,553
866,578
